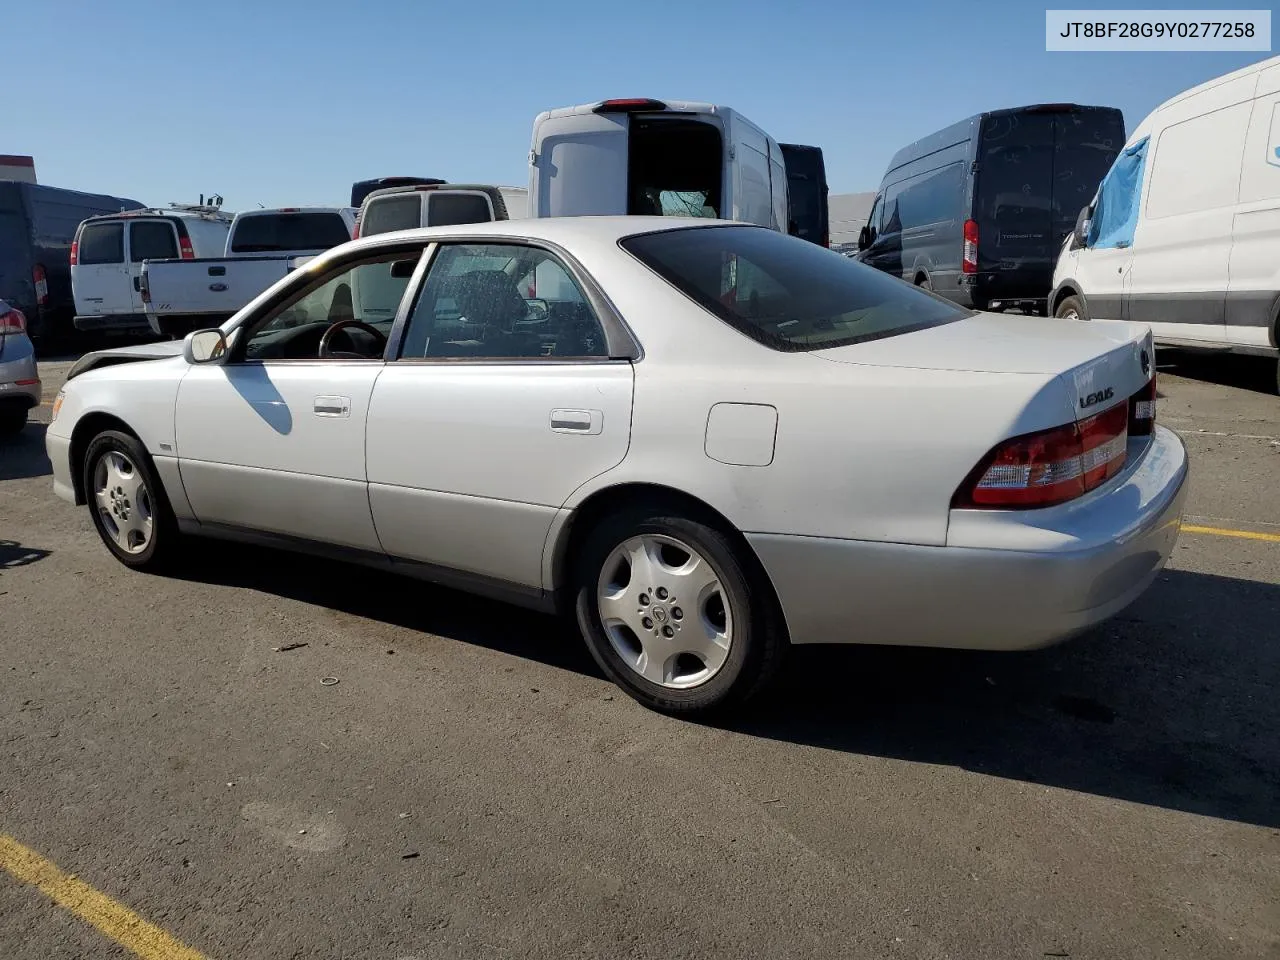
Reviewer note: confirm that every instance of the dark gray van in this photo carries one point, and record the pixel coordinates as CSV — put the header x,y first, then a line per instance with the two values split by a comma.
x,y
37,225
977,212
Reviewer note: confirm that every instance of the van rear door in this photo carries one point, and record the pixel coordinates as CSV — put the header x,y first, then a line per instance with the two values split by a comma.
x,y
580,165
1013,197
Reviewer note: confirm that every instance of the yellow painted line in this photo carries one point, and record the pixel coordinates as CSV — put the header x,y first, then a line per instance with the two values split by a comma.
x,y
95,908
1225,532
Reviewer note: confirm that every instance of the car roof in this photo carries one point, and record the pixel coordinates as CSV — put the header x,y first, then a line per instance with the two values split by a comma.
x,y
562,230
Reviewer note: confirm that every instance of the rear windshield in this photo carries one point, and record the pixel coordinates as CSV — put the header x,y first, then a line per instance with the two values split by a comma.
x,y
102,243
785,292
385,214
445,209
269,232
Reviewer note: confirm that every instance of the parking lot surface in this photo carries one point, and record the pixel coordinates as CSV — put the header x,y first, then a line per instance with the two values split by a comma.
x,y
471,788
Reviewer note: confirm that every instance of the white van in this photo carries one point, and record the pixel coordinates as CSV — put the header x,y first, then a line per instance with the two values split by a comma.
x,y
1184,233
429,205
659,158
107,254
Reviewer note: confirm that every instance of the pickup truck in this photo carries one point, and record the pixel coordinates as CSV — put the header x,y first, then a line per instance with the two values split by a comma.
x,y
179,296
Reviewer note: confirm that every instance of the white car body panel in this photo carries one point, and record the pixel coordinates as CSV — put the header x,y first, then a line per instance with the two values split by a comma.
x,y
838,466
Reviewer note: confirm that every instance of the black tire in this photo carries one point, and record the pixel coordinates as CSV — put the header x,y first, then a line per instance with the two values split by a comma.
x,y
12,422
758,642
162,548
1071,305
925,283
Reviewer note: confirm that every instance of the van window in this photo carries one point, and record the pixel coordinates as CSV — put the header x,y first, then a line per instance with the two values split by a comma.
x,y
785,292
1197,163
385,214
674,168
271,232
445,209
152,240
933,196
1115,215
102,243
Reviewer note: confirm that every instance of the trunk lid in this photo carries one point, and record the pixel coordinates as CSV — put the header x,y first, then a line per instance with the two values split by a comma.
x,y
1103,362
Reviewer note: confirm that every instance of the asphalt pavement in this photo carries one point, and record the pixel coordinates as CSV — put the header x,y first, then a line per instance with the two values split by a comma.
x,y
470,787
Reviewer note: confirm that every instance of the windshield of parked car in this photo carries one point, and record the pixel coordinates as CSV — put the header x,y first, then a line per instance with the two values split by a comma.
x,y
273,232
785,292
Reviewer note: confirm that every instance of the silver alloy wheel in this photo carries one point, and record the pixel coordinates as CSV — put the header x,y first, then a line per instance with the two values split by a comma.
x,y
664,611
1071,314
123,501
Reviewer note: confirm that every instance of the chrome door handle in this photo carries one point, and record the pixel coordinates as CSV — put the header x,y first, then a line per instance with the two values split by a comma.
x,y
332,406
577,421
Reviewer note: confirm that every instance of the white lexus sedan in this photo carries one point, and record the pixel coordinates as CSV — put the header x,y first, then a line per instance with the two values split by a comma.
x,y
707,440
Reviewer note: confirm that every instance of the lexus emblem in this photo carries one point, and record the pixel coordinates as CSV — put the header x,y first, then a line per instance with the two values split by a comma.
x,y
1146,362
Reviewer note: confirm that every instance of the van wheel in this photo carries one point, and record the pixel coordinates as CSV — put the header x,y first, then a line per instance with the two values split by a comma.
x,y
12,422
674,615
924,283
1071,308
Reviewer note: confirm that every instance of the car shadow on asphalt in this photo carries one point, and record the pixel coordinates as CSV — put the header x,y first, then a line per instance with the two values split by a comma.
x,y
1172,704
14,554
22,456
1244,372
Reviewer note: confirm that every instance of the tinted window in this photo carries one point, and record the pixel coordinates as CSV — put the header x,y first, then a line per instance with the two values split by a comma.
x,y
152,240
785,292
385,214
1086,146
1015,163
289,231
933,196
102,243
479,302
444,209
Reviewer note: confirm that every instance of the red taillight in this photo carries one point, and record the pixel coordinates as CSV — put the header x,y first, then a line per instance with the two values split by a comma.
x,y
185,250
1052,466
41,284
628,105
970,262
12,322
355,231
75,252
1142,410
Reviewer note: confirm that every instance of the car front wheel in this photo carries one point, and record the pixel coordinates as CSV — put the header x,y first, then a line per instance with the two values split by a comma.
x,y
674,614
127,502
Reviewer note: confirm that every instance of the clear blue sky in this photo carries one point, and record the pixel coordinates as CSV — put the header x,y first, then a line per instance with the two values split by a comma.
x,y
285,102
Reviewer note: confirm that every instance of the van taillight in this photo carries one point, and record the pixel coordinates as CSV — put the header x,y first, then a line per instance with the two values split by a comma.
x,y
1142,410
970,262
1051,466
184,247
41,284
75,252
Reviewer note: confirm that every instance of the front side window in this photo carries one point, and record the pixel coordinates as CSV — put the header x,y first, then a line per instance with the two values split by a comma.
x,y
784,292
368,292
276,232
501,301
101,243
152,240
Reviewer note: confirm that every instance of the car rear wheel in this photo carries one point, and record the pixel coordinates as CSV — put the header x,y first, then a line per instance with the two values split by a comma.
x,y
127,502
12,422
1071,308
673,615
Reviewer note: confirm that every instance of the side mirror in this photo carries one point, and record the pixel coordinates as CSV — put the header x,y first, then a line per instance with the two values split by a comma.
x,y
204,346
1080,235
539,311
864,238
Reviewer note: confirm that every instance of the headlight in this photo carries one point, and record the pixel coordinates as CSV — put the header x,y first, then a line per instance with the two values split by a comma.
x,y
57,405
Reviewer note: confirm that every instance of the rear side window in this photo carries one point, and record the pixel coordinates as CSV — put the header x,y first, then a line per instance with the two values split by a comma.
x,y
101,243
385,214
787,293
152,240
444,209
273,232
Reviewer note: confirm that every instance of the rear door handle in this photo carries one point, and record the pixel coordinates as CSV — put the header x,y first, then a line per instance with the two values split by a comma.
x,y
332,406
577,421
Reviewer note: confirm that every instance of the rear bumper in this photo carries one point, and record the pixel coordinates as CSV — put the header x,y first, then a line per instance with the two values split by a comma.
x,y
1007,580
19,379
121,322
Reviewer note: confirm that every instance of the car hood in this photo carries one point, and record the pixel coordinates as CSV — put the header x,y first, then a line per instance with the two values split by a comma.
x,y
1104,361
143,351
